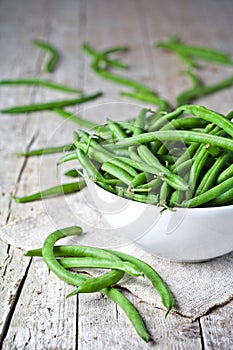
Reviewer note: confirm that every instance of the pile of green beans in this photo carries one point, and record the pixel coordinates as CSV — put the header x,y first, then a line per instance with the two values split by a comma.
x,y
184,158
60,259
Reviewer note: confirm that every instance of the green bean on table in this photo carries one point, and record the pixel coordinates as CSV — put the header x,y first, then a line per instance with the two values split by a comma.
x,y
55,191
40,82
77,280
50,105
50,65
190,51
147,270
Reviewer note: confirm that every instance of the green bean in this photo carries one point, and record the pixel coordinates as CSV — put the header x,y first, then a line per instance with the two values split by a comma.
x,y
190,51
93,152
106,187
98,283
189,95
103,56
124,165
176,198
53,54
138,180
172,135
143,198
185,123
210,116
116,130
77,262
148,97
39,82
147,270
174,180
72,173
120,79
88,166
165,192
52,192
76,119
210,176
47,150
152,275
209,195
197,82
139,123
51,105
164,119
51,261
226,174
130,311
111,293
225,198
198,163
152,185
117,172
67,157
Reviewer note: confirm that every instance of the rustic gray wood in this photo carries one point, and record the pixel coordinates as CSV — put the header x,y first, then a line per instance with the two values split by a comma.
x,y
34,312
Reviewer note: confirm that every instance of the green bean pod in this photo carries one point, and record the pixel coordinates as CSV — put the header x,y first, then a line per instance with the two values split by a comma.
x,y
52,192
50,65
209,195
153,276
39,82
226,174
47,150
77,262
210,176
51,105
96,284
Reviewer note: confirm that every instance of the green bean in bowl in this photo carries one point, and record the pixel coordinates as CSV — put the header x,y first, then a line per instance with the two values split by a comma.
x,y
164,179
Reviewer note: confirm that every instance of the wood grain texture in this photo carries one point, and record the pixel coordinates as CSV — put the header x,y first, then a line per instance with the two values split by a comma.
x,y
34,312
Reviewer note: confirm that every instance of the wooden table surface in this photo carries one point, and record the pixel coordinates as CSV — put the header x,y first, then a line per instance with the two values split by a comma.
x,y
34,313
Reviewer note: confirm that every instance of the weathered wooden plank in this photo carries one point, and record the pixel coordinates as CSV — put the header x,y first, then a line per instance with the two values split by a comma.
x,y
13,269
67,40
103,325
217,328
42,318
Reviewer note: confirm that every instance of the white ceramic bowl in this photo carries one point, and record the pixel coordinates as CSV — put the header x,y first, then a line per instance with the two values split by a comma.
x,y
186,235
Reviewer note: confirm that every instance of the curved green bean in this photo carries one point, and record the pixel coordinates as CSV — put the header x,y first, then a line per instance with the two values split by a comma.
x,y
49,250
103,55
197,91
175,180
152,275
52,192
50,65
190,51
